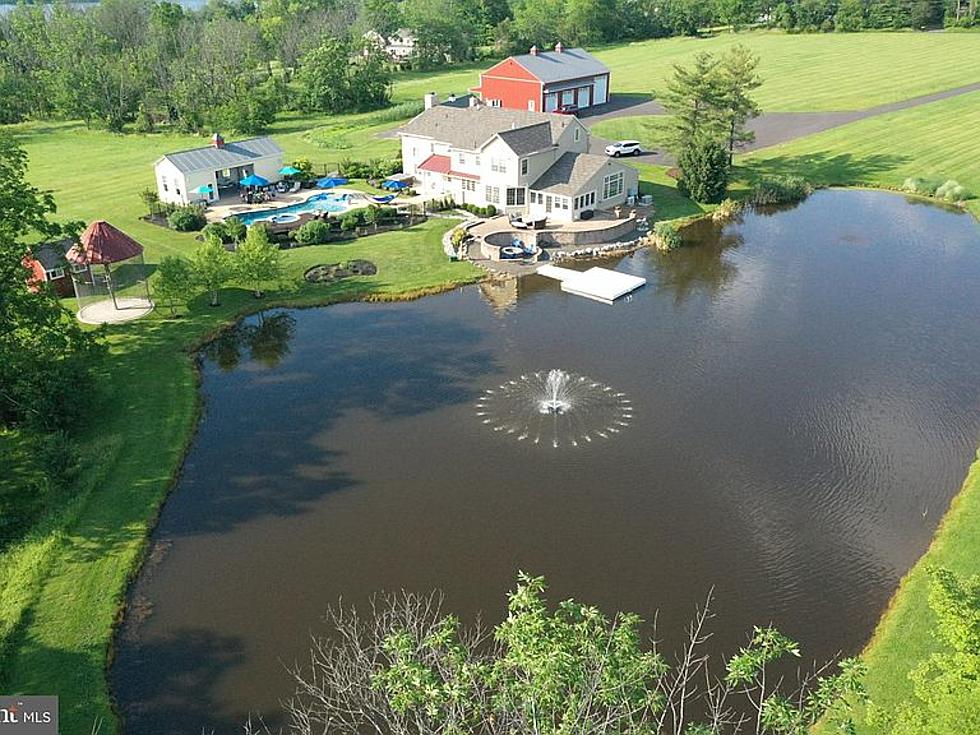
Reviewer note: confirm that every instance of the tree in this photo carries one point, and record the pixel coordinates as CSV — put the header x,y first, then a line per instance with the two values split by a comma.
x,y
704,170
408,667
257,259
175,282
323,77
946,685
737,79
382,16
213,266
693,97
444,29
850,15
46,359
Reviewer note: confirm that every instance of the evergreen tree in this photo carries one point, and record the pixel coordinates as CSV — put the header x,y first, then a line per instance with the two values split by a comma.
x,y
737,79
704,170
693,97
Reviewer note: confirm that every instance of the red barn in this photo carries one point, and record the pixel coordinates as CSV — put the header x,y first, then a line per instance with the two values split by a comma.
x,y
563,80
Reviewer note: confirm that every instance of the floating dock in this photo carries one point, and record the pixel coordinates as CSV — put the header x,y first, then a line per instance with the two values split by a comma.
x,y
599,284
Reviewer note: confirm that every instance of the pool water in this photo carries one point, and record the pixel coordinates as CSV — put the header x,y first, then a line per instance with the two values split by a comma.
x,y
327,202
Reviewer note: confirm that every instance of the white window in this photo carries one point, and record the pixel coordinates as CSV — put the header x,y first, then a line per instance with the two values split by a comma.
x,y
163,180
498,165
612,185
515,197
54,273
469,185
523,167
476,160
78,268
561,202
495,103
461,157
493,194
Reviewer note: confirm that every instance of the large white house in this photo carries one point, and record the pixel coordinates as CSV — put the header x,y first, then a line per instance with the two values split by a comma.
x,y
399,46
527,163
204,174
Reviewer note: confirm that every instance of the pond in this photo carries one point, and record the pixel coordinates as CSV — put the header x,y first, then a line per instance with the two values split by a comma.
x,y
796,403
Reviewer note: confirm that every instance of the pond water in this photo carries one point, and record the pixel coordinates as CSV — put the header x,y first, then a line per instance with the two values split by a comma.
x,y
802,404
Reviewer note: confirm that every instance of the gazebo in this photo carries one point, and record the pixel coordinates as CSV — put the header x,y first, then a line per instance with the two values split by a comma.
x,y
109,275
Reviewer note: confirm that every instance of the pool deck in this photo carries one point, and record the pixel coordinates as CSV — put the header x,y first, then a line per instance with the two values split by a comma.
x,y
229,206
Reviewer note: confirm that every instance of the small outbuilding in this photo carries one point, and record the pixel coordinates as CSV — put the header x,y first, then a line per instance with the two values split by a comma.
x,y
109,275
207,173
47,264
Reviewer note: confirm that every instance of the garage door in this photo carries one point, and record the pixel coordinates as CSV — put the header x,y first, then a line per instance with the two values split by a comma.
x,y
583,97
550,102
601,92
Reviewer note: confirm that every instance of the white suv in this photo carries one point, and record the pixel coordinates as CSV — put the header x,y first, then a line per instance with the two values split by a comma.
x,y
624,148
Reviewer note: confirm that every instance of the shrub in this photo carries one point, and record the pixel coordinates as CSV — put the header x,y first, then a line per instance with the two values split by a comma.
x,y
917,185
780,190
704,170
728,209
314,232
151,200
952,191
236,229
349,222
458,235
218,230
666,236
187,219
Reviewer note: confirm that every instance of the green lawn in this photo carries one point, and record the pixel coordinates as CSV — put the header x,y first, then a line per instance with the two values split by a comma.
x,y
651,130
935,141
803,72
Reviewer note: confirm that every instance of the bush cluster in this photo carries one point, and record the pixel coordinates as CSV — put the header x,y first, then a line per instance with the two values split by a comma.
x,y
376,168
666,236
189,218
949,190
780,190
728,209
447,203
314,232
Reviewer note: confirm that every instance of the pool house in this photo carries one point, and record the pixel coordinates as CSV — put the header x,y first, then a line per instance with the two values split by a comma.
x,y
208,173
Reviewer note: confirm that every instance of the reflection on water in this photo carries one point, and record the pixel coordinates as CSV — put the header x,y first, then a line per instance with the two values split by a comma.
x,y
806,402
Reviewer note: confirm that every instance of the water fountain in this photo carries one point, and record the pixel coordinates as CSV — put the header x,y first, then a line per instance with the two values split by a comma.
x,y
555,407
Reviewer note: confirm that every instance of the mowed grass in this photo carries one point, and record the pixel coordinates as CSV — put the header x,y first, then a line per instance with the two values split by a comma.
x,y
801,73
651,130
938,140
62,586
905,636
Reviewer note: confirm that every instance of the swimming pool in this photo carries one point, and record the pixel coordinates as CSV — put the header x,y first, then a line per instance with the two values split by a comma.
x,y
324,202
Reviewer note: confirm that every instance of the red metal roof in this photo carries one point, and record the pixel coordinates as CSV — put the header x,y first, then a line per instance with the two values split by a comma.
x,y
101,243
436,164
443,165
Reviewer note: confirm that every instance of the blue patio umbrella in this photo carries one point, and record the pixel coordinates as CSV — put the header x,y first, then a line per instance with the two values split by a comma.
x,y
394,185
202,189
331,181
254,180
289,171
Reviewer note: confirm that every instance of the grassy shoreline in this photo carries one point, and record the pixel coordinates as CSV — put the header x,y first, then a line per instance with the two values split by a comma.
x,y
64,586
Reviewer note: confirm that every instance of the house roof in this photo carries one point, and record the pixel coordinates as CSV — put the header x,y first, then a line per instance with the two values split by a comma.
x,y
443,165
470,128
101,244
551,66
51,255
209,158
571,172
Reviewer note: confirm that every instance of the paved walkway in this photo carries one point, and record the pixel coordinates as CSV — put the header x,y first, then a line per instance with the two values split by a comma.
x,y
770,128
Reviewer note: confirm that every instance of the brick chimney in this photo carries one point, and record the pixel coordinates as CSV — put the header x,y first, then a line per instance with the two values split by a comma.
x,y
534,50
559,47
217,141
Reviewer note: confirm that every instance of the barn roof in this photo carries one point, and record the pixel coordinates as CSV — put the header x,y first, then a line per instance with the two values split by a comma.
x,y
554,66
102,244
209,158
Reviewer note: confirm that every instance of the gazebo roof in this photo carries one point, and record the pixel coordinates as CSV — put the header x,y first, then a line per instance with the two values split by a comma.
x,y
102,244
